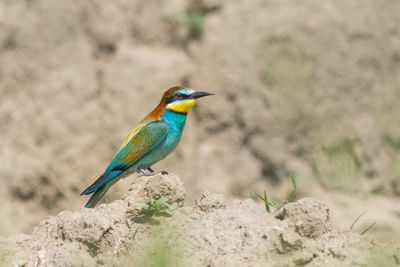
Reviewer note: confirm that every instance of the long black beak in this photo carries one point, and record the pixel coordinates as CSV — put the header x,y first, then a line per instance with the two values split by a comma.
x,y
199,94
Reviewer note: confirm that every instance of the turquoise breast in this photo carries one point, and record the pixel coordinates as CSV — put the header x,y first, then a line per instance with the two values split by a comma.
x,y
176,123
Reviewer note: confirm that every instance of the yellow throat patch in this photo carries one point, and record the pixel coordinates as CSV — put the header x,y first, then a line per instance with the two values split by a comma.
x,y
182,107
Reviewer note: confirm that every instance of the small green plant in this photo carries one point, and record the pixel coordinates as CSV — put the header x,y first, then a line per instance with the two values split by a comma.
x,y
390,136
287,73
380,257
337,165
6,254
396,260
275,205
357,219
158,207
267,203
193,21
163,246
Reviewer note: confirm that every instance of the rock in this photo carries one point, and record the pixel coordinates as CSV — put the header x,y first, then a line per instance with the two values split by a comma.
x,y
308,217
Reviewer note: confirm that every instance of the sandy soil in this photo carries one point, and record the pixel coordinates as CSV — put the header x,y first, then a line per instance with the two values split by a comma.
x,y
214,232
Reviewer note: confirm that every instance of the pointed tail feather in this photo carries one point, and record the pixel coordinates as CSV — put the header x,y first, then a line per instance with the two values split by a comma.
x,y
96,197
102,180
99,193
93,186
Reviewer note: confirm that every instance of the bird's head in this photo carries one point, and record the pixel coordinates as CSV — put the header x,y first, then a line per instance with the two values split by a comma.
x,y
180,99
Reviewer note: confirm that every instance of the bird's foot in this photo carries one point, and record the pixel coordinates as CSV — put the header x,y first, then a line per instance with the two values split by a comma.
x,y
149,172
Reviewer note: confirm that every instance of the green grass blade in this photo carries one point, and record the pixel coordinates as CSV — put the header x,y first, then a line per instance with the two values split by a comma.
x,y
275,205
356,220
293,193
368,228
267,203
265,199
396,260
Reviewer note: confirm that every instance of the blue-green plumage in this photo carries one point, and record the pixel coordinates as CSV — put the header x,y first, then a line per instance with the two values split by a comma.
x,y
151,141
175,123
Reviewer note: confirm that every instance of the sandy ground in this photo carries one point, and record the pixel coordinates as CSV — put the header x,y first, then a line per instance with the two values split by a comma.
x,y
308,89
214,232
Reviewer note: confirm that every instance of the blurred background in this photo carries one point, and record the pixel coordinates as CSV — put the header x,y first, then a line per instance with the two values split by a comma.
x,y
309,89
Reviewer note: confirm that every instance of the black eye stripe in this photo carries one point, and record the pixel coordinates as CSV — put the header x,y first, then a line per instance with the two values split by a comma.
x,y
169,99
177,96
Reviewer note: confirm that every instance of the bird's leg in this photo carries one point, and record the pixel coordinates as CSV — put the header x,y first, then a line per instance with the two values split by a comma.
x,y
162,172
149,171
143,171
152,172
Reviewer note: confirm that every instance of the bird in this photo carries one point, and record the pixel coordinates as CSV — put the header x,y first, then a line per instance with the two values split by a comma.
x,y
154,138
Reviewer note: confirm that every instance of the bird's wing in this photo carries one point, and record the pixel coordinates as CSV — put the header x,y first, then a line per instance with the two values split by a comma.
x,y
139,142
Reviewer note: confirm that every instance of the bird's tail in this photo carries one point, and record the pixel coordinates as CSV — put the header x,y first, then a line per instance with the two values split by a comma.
x,y
99,193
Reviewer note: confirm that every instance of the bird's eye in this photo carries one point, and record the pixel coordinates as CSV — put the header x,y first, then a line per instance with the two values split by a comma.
x,y
179,96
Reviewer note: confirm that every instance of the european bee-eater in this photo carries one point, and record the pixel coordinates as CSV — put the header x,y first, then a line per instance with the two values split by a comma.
x,y
156,136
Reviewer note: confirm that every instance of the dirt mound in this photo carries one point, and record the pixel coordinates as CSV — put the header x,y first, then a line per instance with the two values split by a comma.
x,y
94,233
211,233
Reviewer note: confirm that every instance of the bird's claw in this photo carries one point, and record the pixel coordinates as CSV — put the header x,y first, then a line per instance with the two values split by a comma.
x,y
149,172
